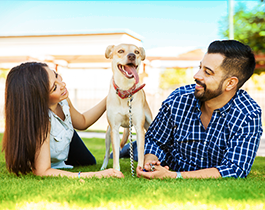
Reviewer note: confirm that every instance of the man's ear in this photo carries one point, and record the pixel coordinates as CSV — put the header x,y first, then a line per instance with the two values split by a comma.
x,y
108,52
231,83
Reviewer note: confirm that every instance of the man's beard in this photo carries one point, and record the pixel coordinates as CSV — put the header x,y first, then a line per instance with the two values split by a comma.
x,y
207,94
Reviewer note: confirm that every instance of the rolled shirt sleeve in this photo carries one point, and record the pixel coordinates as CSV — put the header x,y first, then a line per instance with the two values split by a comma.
x,y
242,148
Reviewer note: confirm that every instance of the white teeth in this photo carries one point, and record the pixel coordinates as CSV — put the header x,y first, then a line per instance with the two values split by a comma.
x,y
123,68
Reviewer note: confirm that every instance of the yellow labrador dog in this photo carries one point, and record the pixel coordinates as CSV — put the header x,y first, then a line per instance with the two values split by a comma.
x,y
126,60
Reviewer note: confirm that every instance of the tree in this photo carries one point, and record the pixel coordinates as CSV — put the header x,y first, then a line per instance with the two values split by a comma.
x,y
249,26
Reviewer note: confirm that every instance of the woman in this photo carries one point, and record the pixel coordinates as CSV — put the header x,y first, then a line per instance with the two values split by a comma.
x,y
40,120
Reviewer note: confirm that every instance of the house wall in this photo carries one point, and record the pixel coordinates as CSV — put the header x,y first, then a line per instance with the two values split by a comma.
x,y
62,44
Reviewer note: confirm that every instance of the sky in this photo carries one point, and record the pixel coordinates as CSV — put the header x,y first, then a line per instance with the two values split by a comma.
x,y
159,23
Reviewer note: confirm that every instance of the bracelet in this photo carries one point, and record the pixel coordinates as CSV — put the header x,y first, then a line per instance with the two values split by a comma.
x,y
179,175
79,174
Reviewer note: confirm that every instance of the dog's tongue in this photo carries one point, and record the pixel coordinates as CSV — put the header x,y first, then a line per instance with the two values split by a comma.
x,y
132,70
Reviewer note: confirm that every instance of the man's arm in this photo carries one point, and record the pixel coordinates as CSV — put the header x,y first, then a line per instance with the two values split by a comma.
x,y
203,173
242,148
238,157
164,172
161,172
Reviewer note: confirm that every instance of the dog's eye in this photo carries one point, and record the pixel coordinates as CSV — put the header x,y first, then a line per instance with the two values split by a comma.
x,y
136,52
121,51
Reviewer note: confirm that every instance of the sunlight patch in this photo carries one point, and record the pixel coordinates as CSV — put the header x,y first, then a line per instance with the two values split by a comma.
x,y
43,205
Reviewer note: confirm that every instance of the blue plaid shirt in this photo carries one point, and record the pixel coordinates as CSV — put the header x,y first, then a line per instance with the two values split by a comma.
x,y
230,142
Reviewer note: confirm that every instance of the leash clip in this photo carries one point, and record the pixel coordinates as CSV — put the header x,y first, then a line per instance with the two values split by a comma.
x,y
130,99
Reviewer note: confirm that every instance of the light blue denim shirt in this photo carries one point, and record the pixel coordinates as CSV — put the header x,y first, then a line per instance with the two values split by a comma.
x,y
60,137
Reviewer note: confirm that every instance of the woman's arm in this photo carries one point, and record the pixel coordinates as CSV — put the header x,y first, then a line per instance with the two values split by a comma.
x,y
88,118
43,166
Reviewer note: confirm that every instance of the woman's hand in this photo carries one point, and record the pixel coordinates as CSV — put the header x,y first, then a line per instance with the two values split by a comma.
x,y
109,173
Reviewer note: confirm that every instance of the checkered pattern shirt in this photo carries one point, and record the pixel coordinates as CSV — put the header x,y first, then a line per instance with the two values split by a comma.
x,y
230,142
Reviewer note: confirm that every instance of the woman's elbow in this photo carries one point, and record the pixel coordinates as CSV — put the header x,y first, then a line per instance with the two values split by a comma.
x,y
38,172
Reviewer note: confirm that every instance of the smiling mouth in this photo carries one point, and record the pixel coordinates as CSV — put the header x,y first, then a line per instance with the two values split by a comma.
x,y
199,84
129,70
64,93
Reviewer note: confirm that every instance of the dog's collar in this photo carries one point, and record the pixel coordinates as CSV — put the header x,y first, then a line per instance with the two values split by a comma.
x,y
126,93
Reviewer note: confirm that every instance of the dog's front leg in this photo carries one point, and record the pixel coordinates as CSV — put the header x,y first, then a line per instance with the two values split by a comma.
x,y
115,139
107,143
140,138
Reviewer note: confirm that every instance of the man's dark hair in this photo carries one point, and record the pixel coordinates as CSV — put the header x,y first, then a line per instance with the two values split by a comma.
x,y
239,59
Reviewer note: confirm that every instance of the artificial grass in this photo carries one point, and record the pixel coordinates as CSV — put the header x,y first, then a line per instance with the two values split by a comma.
x,y
32,192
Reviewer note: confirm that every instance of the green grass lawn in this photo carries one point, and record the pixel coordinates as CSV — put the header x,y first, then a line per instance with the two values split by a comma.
x,y
31,192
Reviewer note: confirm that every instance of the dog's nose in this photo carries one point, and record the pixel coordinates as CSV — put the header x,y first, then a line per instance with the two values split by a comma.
x,y
131,56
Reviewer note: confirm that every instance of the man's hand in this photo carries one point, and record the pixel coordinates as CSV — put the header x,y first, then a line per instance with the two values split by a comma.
x,y
153,169
149,161
149,166
159,172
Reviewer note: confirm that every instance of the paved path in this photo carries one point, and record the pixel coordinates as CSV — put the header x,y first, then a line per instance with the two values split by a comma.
x,y
95,135
261,150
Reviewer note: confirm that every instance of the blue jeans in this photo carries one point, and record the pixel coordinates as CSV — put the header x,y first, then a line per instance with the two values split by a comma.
x,y
79,155
125,152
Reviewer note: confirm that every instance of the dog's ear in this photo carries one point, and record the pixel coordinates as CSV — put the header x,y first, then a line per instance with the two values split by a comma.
x,y
142,53
108,52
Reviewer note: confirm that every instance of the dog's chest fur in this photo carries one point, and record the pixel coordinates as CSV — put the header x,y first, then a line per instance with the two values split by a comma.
x,y
120,114
120,117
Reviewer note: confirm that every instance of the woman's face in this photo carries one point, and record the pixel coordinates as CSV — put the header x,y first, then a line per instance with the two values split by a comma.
x,y
58,91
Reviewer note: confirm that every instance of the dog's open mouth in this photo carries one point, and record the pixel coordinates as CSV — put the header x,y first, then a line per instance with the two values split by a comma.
x,y
129,70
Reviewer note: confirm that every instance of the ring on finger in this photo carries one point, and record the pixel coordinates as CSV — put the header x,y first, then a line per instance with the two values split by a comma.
x,y
152,167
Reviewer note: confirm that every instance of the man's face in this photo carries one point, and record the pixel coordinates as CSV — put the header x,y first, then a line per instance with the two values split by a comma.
x,y
210,77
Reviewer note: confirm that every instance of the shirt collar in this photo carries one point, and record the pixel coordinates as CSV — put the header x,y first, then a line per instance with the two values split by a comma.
x,y
223,110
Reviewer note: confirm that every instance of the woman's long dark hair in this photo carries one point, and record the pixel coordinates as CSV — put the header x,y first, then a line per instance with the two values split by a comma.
x,y
26,115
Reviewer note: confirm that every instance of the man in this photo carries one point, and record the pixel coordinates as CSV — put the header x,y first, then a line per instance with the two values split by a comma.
x,y
210,129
